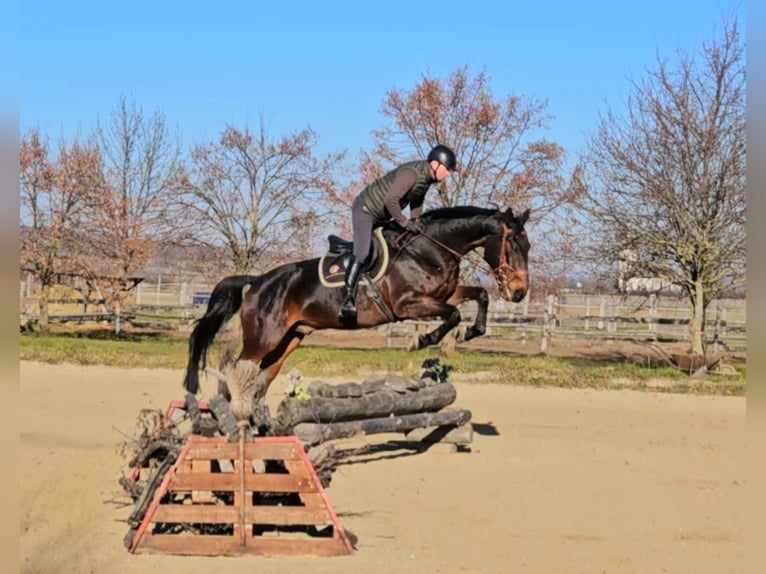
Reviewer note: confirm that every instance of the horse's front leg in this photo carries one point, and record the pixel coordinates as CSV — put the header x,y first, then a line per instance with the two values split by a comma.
x,y
478,294
425,308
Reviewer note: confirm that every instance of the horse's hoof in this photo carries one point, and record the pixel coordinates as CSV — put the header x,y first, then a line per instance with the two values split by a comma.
x,y
460,334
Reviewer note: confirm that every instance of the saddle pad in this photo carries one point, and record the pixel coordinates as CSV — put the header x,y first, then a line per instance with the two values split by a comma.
x,y
332,266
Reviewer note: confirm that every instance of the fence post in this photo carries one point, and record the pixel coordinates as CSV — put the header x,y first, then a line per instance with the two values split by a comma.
x,y
159,284
138,293
653,311
117,317
601,314
182,293
547,318
587,313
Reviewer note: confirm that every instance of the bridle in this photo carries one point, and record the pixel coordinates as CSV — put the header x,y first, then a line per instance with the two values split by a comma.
x,y
504,269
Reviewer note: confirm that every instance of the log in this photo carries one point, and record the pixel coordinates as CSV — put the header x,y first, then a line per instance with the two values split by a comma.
x,y
369,386
226,421
324,461
383,403
316,433
451,434
219,406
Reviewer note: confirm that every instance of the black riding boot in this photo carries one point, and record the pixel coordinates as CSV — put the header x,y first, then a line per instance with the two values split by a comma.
x,y
348,307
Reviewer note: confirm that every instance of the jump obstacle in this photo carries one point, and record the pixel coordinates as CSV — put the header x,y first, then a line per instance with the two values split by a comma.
x,y
251,497
242,495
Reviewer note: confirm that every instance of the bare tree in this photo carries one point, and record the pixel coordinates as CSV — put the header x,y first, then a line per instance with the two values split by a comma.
x,y
666,181
133,216
256,197
54,193
501,157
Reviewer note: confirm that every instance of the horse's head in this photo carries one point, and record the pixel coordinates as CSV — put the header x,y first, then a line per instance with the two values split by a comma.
x,y
507,255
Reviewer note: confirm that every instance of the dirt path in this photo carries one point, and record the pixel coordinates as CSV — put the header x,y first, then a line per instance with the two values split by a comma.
x,y
559,481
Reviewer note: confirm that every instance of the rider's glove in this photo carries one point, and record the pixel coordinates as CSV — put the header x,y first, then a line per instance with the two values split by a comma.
x,y
414,226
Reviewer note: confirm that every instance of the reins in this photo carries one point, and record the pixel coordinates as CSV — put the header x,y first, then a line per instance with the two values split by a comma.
x,y
447,248
502,265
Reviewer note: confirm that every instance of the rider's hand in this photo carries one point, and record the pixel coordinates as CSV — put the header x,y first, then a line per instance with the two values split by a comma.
x,y
414,226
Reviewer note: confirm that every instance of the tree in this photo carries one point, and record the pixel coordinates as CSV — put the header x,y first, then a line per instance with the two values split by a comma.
x,y
133,216
501,157
54,194
666,181
255,196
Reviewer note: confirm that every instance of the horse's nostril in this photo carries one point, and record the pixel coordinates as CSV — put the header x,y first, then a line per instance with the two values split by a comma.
x,y
518,295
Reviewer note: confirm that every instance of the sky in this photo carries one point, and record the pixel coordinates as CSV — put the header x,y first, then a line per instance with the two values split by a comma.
x,y
328,65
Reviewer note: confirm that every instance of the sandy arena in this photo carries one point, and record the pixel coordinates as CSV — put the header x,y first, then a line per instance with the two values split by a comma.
x,y
558,481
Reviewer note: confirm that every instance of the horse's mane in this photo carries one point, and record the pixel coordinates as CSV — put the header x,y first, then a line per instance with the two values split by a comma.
x,y
457,212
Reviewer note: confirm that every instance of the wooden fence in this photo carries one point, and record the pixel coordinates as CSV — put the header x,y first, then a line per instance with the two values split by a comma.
x,y
604,317
543,321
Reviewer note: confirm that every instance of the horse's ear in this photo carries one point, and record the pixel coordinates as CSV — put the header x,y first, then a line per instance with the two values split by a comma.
x,y
524,217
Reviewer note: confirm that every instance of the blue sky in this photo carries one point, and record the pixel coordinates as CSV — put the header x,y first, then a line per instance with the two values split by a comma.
x,y
328,64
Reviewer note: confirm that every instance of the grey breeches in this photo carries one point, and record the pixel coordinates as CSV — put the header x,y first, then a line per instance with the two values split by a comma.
x,y
362,223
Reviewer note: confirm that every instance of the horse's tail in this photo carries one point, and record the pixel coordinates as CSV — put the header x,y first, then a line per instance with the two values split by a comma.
x,y
225,300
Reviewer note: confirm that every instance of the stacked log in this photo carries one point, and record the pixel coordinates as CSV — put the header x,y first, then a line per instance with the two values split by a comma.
x,y
391,404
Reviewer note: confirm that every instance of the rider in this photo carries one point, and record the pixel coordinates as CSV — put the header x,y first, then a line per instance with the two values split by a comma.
x,y
383,200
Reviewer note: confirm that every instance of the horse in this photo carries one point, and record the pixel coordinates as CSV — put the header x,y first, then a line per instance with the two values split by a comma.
x,y
280,307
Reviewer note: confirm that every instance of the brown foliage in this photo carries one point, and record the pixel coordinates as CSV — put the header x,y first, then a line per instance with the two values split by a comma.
x,y
55,192
500,160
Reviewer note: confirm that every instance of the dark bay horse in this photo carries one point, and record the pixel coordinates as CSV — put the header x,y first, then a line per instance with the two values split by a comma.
x,y
277,309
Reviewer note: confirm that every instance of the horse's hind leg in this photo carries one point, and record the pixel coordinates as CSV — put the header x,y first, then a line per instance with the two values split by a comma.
x,y
266,369
478,294
272,363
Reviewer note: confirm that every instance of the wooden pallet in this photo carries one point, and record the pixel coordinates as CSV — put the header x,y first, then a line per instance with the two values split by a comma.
x,y
260,497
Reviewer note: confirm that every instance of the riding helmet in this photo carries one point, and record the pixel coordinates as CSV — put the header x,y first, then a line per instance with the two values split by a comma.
x,y
444,156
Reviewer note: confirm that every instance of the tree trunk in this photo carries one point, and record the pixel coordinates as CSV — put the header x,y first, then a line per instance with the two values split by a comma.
x,y
383,403
43,319
315,433
697,321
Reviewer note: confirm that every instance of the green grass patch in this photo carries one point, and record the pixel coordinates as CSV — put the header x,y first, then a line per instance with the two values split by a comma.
x,y
105,348
161,350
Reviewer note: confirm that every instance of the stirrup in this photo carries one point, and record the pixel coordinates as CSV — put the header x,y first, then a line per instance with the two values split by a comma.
x,y
347,309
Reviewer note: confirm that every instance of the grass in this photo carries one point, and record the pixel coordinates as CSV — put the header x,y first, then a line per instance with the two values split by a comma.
x,y
156,350
104,348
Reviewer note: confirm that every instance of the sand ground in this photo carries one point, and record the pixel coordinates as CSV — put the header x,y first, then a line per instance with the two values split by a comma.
x,y
557,481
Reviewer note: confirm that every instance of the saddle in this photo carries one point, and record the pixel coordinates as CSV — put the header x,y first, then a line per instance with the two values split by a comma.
x,y
332,265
